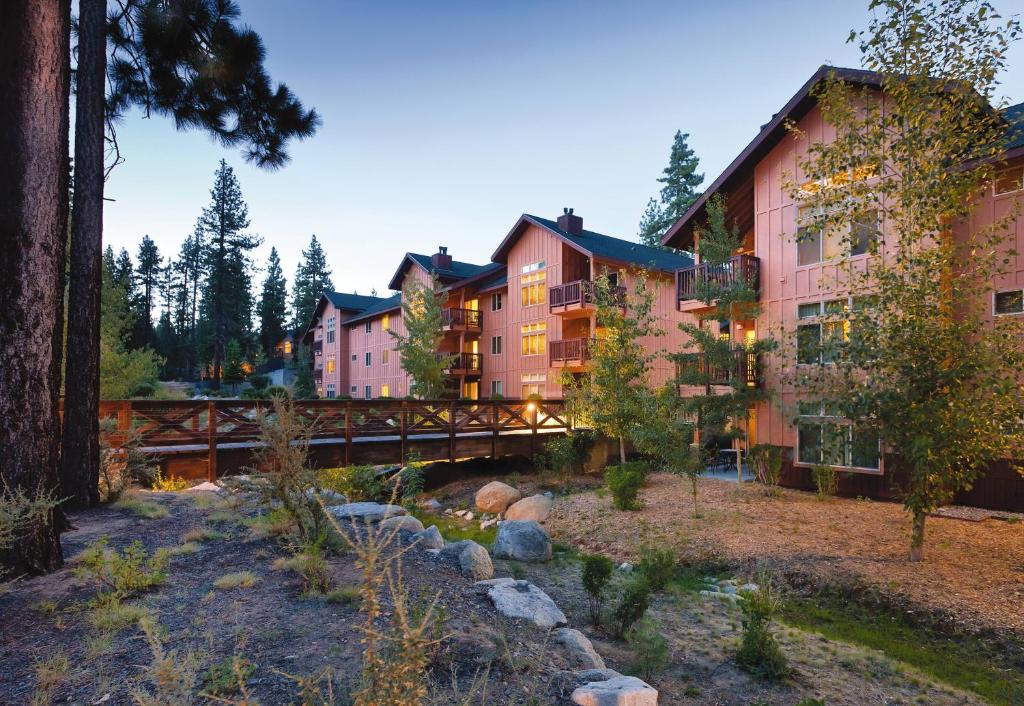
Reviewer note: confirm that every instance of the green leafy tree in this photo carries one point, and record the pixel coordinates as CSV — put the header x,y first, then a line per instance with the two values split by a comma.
x,y
719,376
312,279
122,369
914,365
681,188
273,306
667,437
613,395
304,387
234,364
417,347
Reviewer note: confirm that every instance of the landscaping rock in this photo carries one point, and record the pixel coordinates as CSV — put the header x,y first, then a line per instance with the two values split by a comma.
x,y
585,676
489,523
579,650
523,540
626,567
205,487
430,538
523,600
496,496
535,507
474,561
464,514
429,505
617,691
366,512
720,596
405,523
749,588
330,497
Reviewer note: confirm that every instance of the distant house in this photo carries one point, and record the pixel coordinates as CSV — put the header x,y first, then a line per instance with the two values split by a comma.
x,y
285,348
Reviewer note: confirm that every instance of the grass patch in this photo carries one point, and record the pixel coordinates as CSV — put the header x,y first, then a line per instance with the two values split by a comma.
x,y
454,529
202,534
226,517
184,548
238,579
957,661
146,509
277,523
114,615
345,595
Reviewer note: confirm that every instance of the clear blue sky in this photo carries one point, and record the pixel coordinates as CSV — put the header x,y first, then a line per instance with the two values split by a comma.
x,y
443,121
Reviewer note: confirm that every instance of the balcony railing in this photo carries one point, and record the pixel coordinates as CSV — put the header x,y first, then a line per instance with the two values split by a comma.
x,y
739,268
454,318
569,350
465,363
579,292
744,368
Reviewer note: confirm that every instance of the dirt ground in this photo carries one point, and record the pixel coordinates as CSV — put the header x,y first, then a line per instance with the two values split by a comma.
x,y
972,577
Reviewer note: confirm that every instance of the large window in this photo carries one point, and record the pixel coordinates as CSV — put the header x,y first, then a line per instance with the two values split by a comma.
x,y
534,338
331,363
330,329
1011,302
828,439
496,389
816,245
533,385
331,394
385,391
385,322
533,283
822,330
368,392
496,301
495,345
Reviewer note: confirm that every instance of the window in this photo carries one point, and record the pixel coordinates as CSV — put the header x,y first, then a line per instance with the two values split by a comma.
x,y
330,391
384,355
385,391
1009,180
368,392
330,329
287,347
330,336
495,345
368,359
496,302
496,389
353,357
352,389
533,385
534,338
385,322
368,327
823,437
1011,302
534,290
331,364
815,245
820,340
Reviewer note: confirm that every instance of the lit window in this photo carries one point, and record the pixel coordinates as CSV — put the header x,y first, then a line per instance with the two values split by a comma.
x,y
384,355
385,391
533,284
287,347
534,338
495,345
533,385
1011,302
331,364
385,321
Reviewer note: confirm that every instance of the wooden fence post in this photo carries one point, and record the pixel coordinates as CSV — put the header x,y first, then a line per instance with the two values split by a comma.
x,y
494,430
403,431
451,432
348,433
211,437
533,431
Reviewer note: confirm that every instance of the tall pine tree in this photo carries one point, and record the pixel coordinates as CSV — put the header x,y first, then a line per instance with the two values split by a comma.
x,y
312,278
148,280
681,188
273,306
226,311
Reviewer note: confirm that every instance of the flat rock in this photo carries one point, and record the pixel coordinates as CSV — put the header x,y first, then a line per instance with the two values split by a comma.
x,y
522,540
496,496
584,676
405,523
430,538
577,648
535,507
205,487
329,497
523,600
617,691
366,511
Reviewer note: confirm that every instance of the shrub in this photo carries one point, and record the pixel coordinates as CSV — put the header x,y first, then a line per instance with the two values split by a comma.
x,y
276,391
311,567
657,565
224,677
633,603
143,389
650,649
20,514
357,483
597,572
123,462
767,462
624,482
170,484
170,677
409,481
238,579
259,382
759,653
124,574
826,481
566,454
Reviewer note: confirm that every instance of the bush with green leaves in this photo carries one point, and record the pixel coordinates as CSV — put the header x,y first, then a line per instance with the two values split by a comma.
x,y
566,454
597,572
657,565
624,481
759,653
767,462
826,480
650,649
631,606
357,483
122,574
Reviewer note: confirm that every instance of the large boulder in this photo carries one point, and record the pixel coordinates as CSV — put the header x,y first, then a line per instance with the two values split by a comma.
x,y
366,512
496,496
535,507
430,538
405,523
522,540
523,600
617,691
578,649
474,561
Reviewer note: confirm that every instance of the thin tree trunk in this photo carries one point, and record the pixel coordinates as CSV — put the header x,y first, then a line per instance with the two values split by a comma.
x,y
622,449
917,536
80,465
693,489
34,88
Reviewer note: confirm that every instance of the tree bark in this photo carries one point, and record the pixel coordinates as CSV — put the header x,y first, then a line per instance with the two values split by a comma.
x,y
622,449
34,87
917,536
80,466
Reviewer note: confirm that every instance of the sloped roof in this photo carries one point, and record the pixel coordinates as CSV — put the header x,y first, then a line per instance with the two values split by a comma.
x,y
1015,117
382,306
351,302
598,245
496,281
458,270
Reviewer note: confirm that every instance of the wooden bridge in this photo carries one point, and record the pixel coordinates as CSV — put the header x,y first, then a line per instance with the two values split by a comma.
x,y
204,438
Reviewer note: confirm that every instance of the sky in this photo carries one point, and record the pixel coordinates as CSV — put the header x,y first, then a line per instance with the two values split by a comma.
x,y
444,121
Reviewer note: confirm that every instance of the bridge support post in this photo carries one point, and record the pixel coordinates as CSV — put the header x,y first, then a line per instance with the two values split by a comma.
x,y
211,436
451,433
348,434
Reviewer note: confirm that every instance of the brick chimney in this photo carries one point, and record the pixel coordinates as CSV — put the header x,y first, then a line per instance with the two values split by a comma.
x,y
570,223
441,259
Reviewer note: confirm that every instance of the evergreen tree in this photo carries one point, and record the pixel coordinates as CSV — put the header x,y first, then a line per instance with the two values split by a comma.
x,y
312,278
681,183
304,387
189,271
148,281
417,348
124,273
109,261
226,311
234,365
652,224
122,369
273,307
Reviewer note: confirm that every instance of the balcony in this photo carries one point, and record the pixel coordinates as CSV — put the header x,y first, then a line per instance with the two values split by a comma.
x,y
318,346
460,319
745,368
577,297
739,268
569,352
462,363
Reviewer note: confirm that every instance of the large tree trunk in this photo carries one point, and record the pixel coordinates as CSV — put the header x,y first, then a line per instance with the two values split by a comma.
x,y
34,83
917,536
80,466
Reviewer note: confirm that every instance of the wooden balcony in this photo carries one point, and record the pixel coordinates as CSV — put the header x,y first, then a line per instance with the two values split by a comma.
x,y
739,268
569,352
745,368
462,363
460,319
577,296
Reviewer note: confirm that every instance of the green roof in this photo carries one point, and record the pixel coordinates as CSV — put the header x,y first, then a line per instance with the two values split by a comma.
x,y
627,251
